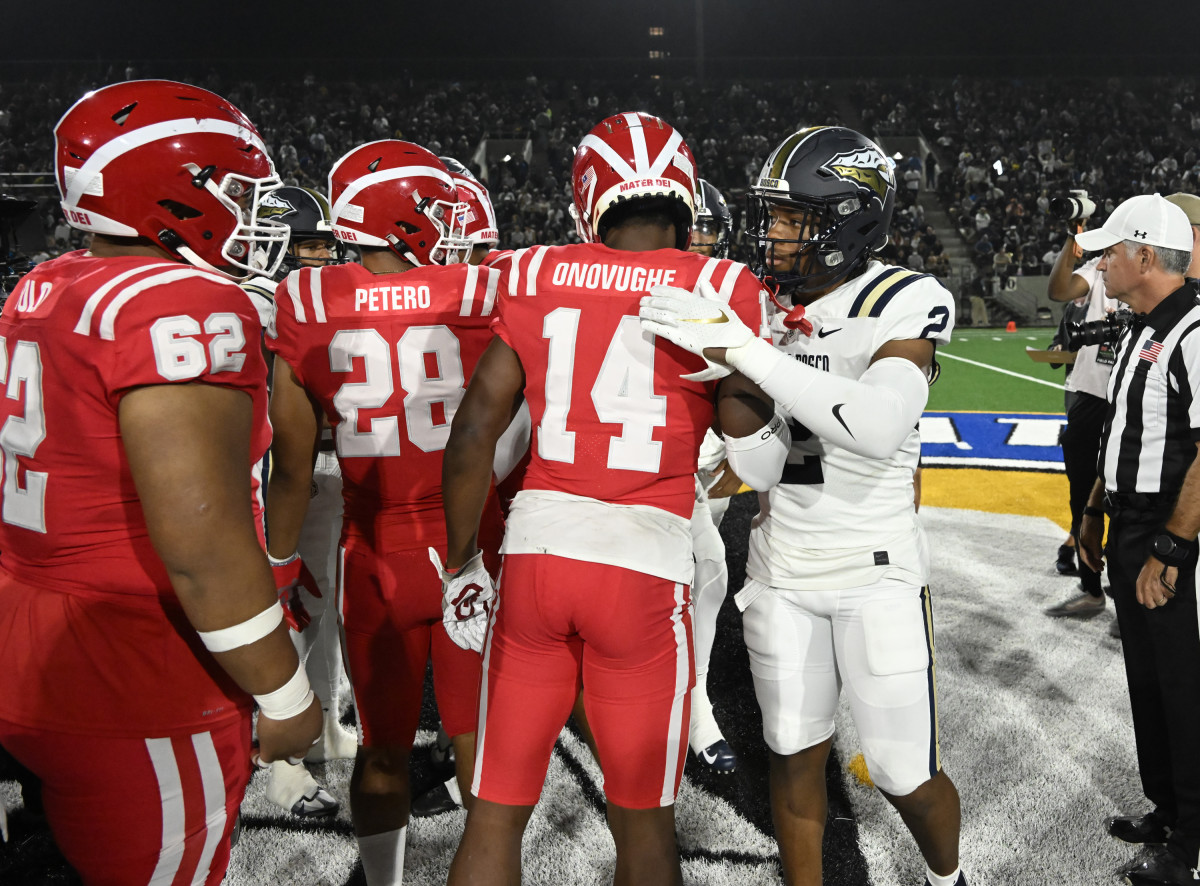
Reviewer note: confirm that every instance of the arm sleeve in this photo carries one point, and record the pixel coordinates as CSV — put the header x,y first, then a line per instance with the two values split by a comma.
x,y
870,416
758,459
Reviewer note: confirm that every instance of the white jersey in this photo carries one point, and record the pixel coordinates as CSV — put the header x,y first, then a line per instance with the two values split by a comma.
x,y
840,520
262,292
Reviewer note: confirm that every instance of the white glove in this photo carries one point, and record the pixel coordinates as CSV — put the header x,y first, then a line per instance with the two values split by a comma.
x,y
467,594
694,321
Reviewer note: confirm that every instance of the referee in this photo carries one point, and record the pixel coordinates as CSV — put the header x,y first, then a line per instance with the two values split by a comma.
x,y
1149,484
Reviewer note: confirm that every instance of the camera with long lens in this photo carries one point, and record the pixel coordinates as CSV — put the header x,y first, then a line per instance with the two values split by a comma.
x,y
1097,332
1077,206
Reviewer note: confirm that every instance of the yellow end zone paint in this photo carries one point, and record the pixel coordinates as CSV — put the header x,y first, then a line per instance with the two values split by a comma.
x,y
1027,493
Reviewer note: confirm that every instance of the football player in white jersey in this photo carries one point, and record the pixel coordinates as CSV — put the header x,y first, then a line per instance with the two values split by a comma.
x,y
836,590
310,244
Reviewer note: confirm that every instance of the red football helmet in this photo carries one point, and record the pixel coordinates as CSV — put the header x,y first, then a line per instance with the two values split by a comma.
x,y
398,195
174,164
481,219
630,156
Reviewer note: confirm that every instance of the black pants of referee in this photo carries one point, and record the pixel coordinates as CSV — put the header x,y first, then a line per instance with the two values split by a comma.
x,y
1162,665
1081,450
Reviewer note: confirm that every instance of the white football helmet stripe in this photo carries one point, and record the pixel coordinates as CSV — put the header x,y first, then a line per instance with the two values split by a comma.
x,y
385,175
615,160
641,157
143,136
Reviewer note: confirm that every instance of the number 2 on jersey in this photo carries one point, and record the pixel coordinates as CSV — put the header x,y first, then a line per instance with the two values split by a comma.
x,y
623,394
22,434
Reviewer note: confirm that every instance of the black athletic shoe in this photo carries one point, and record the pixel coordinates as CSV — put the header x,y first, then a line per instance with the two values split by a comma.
x,y
1065,564
441,754
719,757
1138,828
434,801
1161,868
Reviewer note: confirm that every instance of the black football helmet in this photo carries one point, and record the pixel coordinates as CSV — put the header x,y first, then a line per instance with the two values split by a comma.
x,y
837,189
307,214
713,217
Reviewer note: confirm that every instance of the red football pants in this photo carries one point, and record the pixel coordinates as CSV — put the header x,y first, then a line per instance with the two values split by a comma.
x,y
129,811
626,638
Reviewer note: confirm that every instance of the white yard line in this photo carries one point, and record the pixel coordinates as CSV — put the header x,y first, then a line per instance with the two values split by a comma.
x,y
1039,381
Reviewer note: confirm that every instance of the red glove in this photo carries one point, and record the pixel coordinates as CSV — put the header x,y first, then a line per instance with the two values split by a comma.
x,y
290,575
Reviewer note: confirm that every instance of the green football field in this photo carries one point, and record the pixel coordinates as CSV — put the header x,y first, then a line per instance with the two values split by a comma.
x,y
987,370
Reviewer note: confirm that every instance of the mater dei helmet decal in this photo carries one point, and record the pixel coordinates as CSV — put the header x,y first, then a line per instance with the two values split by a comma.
x,y
866,166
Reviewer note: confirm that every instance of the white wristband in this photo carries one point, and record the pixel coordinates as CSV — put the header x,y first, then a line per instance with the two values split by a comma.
x,y
289,700
243,633
285,561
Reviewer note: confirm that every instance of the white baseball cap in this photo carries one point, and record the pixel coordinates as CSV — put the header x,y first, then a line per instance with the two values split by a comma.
x,y
1149,219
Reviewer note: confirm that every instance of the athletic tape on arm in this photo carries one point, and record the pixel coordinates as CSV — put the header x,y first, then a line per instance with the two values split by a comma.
x,y
870,416
243,633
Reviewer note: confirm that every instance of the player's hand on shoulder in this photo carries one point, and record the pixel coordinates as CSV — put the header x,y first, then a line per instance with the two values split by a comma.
x,y
694,321
467,594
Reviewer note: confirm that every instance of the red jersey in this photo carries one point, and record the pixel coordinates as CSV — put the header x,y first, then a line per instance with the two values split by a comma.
x,y
612,418
78,333
388,357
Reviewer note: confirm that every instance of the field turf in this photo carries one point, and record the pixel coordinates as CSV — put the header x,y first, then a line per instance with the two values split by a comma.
x,y
1021,386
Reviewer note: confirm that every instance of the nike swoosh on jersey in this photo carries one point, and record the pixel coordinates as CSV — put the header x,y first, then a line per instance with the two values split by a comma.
x,y
837,413
821,333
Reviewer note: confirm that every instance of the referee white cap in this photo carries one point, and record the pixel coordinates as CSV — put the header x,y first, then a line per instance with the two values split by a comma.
x,y
1148,219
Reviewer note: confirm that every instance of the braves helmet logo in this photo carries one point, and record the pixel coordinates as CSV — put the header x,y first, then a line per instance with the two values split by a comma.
x,y
865,166
274,206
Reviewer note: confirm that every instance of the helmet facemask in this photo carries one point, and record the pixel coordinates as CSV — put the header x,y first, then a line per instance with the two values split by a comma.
x,y
248,245
822,236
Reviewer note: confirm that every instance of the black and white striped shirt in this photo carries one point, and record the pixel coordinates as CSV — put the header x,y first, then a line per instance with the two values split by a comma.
x,y
1153,422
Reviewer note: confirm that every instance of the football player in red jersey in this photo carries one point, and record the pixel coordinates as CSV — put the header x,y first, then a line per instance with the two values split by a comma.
x,y
136,603
384,351
597,551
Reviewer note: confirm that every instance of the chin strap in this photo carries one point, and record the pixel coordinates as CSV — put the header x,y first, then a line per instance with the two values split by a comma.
x,y
794,318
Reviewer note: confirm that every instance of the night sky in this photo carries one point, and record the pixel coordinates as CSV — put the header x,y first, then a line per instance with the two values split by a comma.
x,y
780,38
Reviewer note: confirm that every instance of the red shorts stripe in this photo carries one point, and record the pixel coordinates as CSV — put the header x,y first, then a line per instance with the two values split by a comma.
x,y
178,800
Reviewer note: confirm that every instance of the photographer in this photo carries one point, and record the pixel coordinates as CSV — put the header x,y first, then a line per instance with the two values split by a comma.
x,y
1149,485
1086,387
